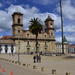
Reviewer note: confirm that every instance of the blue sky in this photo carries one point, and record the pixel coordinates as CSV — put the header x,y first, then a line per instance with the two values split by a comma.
x,y
40,9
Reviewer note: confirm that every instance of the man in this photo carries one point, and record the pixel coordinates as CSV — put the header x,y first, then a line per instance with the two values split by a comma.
x,y
38,57
34,59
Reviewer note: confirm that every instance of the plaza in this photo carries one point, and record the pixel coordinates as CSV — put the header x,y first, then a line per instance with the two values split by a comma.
x,y
61,64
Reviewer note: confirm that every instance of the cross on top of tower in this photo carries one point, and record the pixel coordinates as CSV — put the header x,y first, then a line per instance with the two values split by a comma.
x,y
17,9
49,18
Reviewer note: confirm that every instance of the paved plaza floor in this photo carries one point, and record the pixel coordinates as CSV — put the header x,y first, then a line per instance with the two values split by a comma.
x,y
61,64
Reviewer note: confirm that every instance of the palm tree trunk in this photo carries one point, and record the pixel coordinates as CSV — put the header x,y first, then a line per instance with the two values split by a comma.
x,y
36,42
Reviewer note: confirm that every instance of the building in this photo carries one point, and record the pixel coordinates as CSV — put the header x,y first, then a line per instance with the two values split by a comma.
x,y
23,41
72,48
59,47
7,45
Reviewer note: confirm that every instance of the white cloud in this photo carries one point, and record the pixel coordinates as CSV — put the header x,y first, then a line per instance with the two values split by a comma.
x,y
58,38
67,28
18,8
68,9
6,18
28,14
70,38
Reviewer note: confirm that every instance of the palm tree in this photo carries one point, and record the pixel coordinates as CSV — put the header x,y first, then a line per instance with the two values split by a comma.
x,y
35,28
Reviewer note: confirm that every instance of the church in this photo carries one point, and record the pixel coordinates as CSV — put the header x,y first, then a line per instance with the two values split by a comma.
x,y
23,41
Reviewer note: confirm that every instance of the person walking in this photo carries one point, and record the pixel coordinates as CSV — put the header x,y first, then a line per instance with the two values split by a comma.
x,y
39,59
34,58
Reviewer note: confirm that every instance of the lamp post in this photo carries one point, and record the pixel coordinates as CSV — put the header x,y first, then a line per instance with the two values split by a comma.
x,y
18,45
62,26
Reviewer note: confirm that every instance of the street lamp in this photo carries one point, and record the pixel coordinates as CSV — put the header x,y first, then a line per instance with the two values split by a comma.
x,y
18,59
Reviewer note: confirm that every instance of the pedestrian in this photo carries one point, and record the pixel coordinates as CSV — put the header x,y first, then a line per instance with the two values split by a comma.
x,y
34,58
39,58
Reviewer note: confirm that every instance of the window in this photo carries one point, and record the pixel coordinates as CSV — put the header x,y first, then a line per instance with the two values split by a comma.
x,y
45,46
51,23
38,45
6,48
45,36
27,35
18,20
18,31
12,48
28,47
0,48
51,33
28,43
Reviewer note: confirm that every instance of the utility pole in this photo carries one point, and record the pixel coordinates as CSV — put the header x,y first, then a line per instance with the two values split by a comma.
x,y
61,25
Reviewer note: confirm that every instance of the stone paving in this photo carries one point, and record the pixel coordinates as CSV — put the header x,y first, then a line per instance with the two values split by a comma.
x,y
61,64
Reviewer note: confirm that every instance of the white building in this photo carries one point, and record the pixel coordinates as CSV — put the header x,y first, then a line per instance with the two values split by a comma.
x,y
72,48
7,45
59,47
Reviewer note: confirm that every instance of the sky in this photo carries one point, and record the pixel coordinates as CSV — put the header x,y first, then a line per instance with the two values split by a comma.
x,y
40,9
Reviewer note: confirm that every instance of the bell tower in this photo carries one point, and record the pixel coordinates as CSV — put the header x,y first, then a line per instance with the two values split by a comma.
x,y
17,26
49,22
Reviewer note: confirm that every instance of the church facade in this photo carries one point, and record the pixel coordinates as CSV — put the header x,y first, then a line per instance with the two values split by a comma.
x,y
25,42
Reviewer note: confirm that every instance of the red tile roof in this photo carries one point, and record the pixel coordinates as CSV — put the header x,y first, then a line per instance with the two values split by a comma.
x,y
7,37
72,45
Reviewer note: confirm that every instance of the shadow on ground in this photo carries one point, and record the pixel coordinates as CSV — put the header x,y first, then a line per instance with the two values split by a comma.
x,y
69,57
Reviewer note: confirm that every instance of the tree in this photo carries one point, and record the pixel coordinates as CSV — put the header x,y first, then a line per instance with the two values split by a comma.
x,y
36,28
64,39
